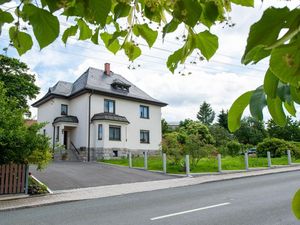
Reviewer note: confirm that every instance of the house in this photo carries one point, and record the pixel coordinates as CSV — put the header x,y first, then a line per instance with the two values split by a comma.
x,y
102,115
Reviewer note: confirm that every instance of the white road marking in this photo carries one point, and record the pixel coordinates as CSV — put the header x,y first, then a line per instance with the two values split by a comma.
x,y
189,211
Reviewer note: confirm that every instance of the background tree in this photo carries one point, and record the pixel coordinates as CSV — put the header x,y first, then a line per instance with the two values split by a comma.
x,y
220,135
206,115
290,132
19,143
251,132
18,82
223,119
164,127
184,123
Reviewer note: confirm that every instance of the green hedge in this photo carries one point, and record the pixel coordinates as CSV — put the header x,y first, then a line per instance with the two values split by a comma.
x,y
277,148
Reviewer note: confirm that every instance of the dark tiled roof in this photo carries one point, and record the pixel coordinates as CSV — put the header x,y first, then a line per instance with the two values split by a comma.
x,y
66,119
96,80
110,116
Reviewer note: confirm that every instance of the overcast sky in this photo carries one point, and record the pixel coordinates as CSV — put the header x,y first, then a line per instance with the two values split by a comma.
x,y
218,82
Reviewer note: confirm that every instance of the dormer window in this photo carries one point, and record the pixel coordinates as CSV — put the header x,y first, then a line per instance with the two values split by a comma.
x,y
120,85
64,109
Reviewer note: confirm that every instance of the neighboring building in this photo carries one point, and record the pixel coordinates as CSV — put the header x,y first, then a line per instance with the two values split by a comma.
x,y
173,125
101,114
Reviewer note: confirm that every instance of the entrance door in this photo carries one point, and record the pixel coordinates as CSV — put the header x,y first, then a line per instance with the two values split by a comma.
x,y
66,139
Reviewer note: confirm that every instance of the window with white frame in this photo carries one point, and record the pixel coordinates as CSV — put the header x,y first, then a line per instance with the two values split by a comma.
x,y
145,136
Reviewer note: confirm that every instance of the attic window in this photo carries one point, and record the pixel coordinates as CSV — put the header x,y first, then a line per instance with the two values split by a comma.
x,y
119,85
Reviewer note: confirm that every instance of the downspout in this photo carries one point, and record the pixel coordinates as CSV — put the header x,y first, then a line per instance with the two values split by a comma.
x,y
89,128
53,138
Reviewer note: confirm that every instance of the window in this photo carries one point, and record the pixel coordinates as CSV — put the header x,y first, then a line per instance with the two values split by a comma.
x,y
64,109
57,133
100,131
144,112
115,152
114,133
144,136
109,106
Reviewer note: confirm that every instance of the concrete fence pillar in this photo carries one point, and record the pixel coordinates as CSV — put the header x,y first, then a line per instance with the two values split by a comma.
x,y
269,159
146,160
164,158
187,165
219,163
289,157
246,161
130,160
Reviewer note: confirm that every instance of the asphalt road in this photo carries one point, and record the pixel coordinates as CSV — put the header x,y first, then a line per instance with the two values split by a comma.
x,y
70,175
262,200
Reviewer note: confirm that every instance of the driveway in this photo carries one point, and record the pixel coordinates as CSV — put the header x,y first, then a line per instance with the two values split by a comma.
x,y
69,175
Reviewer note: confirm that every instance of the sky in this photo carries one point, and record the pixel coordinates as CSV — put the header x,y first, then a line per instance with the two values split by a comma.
x,y
218,82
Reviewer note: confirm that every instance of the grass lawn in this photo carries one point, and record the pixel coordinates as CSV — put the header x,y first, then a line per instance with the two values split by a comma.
x,y
204,165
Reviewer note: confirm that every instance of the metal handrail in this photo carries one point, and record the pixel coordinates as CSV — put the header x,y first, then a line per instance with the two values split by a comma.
x,y
75,148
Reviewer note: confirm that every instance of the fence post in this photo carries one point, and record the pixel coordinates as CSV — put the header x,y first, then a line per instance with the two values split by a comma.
x,y
219,163
146,160
26,178
269,159
289,157
246,161
164,162
187,165
130,159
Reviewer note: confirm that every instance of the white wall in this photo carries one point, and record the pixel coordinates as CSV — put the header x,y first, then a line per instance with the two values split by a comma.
x,y
79,107
131,110
48,111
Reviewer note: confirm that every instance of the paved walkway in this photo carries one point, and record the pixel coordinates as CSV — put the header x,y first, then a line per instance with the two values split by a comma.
x,y
120,189
70,175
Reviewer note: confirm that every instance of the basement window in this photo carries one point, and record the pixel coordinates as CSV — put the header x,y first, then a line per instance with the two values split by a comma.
x,y
115,153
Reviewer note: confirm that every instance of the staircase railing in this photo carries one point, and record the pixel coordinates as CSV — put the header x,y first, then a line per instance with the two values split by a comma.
x,y
76,150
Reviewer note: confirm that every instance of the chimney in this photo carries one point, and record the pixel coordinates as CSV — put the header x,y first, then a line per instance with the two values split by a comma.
x,y
107,69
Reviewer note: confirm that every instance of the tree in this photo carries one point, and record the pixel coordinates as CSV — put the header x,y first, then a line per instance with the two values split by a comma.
x,y
18,82
223,119
164,127
220,134
251,132
290,132
19,143
206,115
89,20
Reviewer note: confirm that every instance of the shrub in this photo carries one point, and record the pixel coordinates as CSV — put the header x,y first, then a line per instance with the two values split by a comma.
x,y
172,147
233,148
277,148
296,151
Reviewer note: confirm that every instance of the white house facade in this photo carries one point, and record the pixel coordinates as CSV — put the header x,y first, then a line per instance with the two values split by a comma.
x,y
102,115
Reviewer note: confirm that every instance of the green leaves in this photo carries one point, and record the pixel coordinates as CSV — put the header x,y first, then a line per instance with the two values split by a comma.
x,y
21,40
276,110
257,103
244,2
296,204
210,13
71,31
5,17
45,25
112,46
146,32
207,43
270,84
285,63
170,27
236,111
99,10
187,11
121,10
85,31
264,33
131,50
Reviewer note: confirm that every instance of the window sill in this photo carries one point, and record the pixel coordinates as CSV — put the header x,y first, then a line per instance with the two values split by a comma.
x,y
114,140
